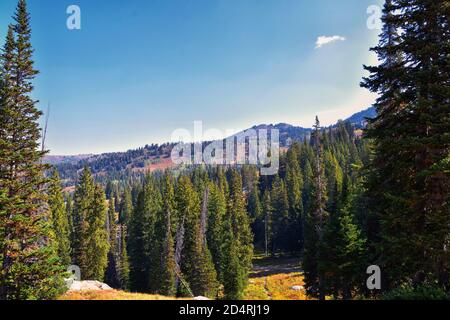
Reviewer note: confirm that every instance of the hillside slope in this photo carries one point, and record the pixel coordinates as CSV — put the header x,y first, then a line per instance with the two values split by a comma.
x,y
132,163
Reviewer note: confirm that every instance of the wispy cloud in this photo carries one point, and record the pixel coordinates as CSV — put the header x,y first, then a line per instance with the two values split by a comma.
x,y
324,40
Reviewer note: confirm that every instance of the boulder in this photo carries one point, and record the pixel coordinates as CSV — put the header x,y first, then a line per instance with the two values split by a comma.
x,y
88,286
297,288
200,298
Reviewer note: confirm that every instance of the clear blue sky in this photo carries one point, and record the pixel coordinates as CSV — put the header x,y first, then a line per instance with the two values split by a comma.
x,y
139,69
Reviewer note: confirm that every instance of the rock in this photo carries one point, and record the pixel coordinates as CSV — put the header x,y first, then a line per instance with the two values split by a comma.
x,y
88,286
200,298
297,288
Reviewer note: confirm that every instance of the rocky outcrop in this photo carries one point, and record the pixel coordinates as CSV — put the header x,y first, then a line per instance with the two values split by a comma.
x,y
87,286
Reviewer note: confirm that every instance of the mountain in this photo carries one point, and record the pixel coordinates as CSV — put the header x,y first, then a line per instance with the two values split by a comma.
x,y
359,119
53,160
122,165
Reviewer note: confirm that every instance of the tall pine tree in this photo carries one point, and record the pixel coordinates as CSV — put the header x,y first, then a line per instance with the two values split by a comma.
x,y
28,253
409,180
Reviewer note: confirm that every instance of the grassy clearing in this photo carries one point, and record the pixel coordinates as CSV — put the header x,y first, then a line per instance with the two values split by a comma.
x,y
111,295
273,279
276,287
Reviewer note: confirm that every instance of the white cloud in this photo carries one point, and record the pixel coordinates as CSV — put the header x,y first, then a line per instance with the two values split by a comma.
x,y
324,40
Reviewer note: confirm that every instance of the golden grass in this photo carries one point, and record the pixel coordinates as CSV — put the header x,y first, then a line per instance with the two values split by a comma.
x,y
272,279
110,295
276,287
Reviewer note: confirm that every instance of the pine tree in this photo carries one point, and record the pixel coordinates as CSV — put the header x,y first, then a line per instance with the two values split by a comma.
x,y
126,207
280,216
234,274
242,238
60,219
97,246
255,210
123,266
90,246
144,255
354,253
216,214
268,210
314,224
197,265
28,253
111,274
409,181
69,214
82,209
168,266
222,181
331,248
294,187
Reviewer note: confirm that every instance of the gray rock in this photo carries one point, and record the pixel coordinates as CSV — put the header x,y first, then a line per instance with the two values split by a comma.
x,y
88,286
297,288
200,298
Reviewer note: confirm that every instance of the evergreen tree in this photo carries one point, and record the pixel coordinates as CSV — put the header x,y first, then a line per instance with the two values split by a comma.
x,y
82,209
69,214
255,210
168,266
294,187
268,210
408,177
97,245
60,219
314,224
90,247
123,267
280,216
111,275
197,265
242,238
28,255
216,214
144,254
331,248
126,207
354,253
234,274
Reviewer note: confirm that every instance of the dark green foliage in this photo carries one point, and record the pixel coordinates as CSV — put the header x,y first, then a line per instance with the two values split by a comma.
x,y
421,293
215,232
315,222
30,267
408,184
111,274
294,187
197,264
280,218
234,275
123,266
168,224
60,219
90,247
240,221
267,222
126,207
143,253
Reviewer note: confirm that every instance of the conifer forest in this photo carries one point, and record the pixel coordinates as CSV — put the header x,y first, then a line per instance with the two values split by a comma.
x,y
368,193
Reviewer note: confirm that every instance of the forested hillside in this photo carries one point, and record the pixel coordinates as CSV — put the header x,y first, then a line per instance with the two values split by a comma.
x,y
135,163
343,199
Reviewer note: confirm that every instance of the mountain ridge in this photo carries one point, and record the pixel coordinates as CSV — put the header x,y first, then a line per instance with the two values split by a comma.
x,y
157,157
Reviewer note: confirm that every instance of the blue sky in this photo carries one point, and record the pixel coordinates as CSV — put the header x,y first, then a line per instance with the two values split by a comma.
x,y
139,69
